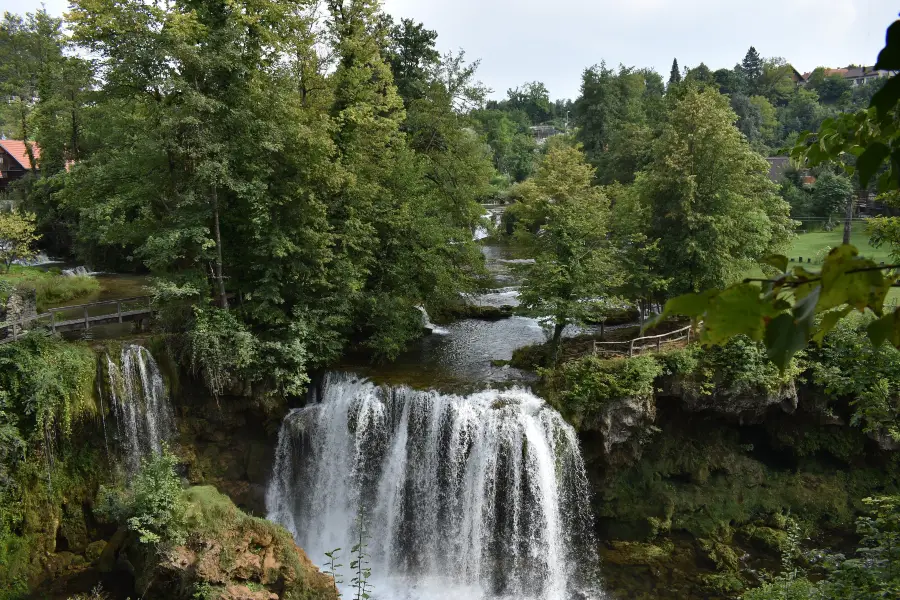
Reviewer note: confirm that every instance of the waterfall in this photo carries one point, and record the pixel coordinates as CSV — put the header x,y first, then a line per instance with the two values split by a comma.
x,y
144,416
474,497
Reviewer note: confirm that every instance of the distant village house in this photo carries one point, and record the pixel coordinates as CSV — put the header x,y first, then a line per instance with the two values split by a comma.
x,y
14,161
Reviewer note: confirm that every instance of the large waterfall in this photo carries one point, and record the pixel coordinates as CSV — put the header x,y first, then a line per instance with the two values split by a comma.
x,y
474,497
144,416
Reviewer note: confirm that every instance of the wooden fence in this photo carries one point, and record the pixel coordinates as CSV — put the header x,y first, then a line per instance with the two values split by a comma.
x,y
652,343
81,316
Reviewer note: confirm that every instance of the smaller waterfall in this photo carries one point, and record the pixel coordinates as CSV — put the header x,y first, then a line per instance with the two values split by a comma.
x,y
144,416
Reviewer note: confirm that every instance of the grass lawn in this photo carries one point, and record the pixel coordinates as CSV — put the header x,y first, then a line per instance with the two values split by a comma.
x,y
814,246
51,287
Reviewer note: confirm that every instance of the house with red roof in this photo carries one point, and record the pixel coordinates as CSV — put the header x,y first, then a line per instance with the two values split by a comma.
x,y
15,162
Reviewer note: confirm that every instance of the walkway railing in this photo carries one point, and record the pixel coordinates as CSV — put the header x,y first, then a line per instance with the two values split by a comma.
x,y
80,316
643,344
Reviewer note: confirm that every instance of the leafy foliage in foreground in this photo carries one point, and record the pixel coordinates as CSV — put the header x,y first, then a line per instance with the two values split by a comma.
x,y
796,306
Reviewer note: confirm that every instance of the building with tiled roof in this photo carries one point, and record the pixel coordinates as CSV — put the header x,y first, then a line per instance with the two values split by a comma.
x,y
855,75
15,162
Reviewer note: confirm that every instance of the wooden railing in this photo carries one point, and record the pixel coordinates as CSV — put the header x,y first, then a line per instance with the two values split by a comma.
x,y
80,316
643,344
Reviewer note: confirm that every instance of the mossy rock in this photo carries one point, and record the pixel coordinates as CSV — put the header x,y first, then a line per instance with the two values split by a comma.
x,y
765,539
721,555
94,550
720,584
637,553
228,548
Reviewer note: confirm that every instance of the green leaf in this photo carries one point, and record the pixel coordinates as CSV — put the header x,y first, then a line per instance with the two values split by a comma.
x,y
860,289
736,310
870,161
886,98
829,321
784,338
889,57
886,329
687,305
778,261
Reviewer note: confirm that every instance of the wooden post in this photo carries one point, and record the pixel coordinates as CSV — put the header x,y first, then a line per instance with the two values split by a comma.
x,y
87,319
658,344
53,321
119,310
631,349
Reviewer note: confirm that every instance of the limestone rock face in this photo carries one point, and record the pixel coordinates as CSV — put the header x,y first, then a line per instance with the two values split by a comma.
x,y
747,408
623,423
246,557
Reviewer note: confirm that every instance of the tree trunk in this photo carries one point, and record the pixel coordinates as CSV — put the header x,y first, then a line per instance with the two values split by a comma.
x,y
557,340
220,279
848,219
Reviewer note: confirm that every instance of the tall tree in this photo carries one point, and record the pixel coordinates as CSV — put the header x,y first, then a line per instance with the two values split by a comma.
x,y
617,115
711,204
675,73
574,259
752,68
412,56
533,99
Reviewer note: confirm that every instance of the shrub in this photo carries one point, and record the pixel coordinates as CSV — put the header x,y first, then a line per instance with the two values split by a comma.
x,y
48,383
582,387
849,368
156,505
219,347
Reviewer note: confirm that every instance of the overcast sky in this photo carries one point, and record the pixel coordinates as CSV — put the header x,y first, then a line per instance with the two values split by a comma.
x,y
554,40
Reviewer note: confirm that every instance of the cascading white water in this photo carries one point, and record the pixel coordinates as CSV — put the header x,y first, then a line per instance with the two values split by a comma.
x,y
474,497
144,416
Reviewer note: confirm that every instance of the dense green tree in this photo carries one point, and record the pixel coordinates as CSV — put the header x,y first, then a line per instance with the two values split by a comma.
x,y
190,177
29,48
749,117
565,219
412,56
617,114
675,73
768,119
775,82
512,146
830,194
533,99
831,88
701,74
710,202
802,113
730,81
637,255
752,68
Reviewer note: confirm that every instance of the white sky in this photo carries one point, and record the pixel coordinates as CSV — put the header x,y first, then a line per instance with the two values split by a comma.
x,y
554,41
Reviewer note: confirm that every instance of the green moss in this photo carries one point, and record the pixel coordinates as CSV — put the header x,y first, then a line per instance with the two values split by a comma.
x,y
213,516
720,554
703,479
766,539
721,584
637,553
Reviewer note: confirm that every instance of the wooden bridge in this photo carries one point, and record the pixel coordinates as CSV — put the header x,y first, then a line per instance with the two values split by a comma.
x,y
81,316
652,343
